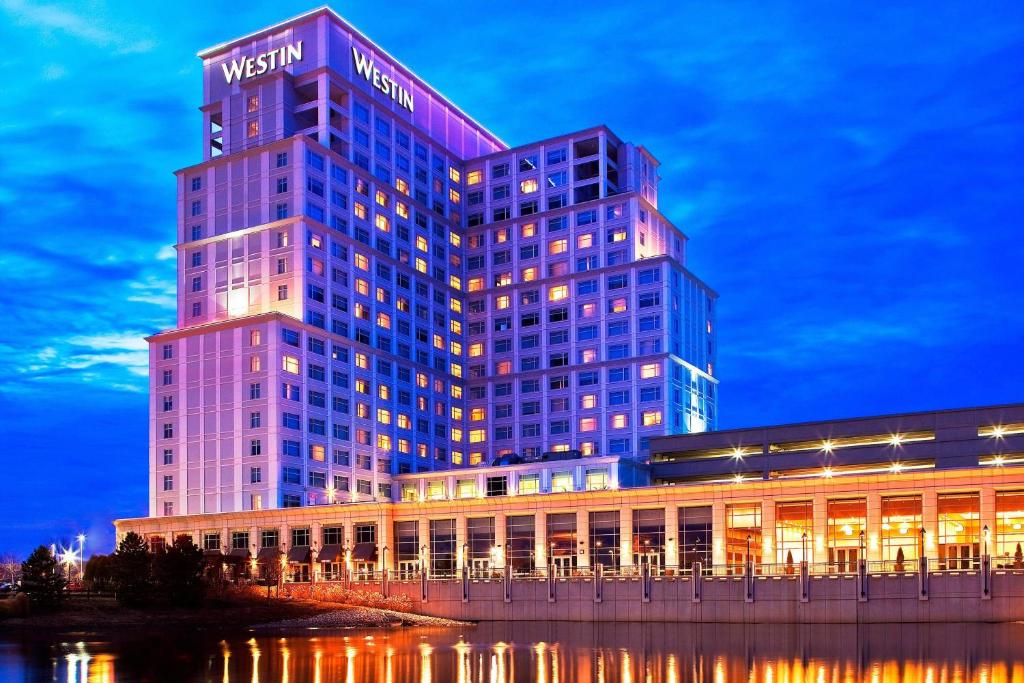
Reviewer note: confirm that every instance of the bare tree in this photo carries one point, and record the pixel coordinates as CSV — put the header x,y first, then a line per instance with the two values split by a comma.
x,y
10,567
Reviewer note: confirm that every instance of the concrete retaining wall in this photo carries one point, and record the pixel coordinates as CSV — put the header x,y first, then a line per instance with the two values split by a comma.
x,y
950,597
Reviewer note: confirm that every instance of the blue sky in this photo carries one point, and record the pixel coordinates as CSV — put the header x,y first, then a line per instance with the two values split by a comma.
x,y
851,176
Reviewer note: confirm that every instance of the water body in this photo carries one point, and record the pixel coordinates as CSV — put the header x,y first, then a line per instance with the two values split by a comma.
x,y
550,652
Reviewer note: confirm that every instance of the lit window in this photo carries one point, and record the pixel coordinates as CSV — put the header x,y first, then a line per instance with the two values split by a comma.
x,y
650,370
475,284
477,435
252,104
476,349
588,424
421,243
529,274
290,364
384,320
529,229
455,282
455,239
558,293
254,129
617,305
402,209
382,198
588,401
503,301
384,442
619,421
528,186
383,416
651,418
359,210
317,452
454,195
561,482
585,241
382,223
588,355
402,186
454,174
558,246
362,286
478,414
362,262
474,177
587,310
421,265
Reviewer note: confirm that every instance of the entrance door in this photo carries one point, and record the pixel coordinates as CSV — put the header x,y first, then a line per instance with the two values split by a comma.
x,y
960,556
562,565
653,560
408,569
843,560
480,567
364,570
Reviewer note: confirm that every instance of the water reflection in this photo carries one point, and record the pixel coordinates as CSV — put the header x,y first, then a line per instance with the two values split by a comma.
x,y
554,653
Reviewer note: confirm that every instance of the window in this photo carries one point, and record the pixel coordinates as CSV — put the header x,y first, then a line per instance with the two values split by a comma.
x,y
900,536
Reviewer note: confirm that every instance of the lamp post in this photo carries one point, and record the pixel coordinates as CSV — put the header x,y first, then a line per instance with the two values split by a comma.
x,y
749,538
81,557
984,540
423,559
803,547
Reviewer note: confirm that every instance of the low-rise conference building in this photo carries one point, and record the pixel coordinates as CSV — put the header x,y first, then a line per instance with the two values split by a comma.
x,y
944,485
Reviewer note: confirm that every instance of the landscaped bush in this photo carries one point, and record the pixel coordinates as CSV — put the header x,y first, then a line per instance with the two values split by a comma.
x,y
324,592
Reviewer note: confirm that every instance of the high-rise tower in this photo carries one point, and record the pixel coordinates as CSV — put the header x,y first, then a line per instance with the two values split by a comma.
x,y
370,283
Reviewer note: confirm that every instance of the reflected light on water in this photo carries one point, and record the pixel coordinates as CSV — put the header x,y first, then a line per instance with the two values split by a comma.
x,y
545,652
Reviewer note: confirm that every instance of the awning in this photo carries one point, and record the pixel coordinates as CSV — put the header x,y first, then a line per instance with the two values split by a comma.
x,y
271,553
330,553
240,553
299,554
365,552
212,556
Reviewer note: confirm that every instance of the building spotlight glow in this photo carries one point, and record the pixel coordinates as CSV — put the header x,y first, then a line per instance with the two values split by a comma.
x,y
827,472
896,467
998,431
896,439
827,445
738,479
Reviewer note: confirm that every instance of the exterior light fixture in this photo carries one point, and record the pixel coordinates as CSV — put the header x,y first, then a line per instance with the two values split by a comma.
x,y
896,468
827,472
896,439
827,445
738,479
998,431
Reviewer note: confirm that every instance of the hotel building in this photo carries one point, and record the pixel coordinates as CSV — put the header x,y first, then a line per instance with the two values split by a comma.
x,y
371,284
402,345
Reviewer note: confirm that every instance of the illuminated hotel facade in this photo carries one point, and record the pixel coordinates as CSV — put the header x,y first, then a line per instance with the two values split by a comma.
x,y
371,284
403,346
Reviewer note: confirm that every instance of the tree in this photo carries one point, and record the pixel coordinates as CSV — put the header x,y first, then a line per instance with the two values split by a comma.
x,y
41,578
100,573
178,572
133,570
10,568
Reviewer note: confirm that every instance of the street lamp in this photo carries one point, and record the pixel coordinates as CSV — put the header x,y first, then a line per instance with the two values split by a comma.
x,y
749,538
984,541
81,556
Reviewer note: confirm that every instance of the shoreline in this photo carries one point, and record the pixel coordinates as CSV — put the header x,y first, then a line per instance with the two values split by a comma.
x,y
105,615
